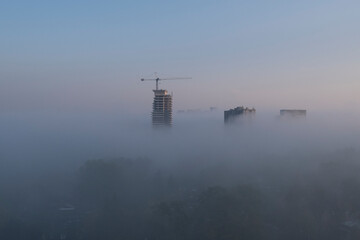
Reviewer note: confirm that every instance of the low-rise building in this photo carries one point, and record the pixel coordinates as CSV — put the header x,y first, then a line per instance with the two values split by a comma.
x,y
293,113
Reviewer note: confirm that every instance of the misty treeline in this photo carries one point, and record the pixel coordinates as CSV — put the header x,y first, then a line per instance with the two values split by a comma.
x,y
292,196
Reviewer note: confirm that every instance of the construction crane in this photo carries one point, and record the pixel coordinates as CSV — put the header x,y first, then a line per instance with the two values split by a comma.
x,y
161,79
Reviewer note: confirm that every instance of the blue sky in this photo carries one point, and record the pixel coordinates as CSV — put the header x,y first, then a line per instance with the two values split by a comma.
x,y
90,55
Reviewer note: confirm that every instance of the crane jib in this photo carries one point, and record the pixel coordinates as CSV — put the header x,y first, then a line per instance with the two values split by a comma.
x,y
160,79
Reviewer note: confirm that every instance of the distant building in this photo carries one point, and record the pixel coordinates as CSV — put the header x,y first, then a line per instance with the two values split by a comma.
x,y
236,113
190,111
162,108
293,113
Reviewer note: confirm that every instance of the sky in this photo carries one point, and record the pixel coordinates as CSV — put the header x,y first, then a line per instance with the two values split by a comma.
x,y
90,55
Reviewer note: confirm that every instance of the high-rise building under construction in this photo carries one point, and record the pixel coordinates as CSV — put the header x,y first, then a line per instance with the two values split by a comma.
x,y
162,105
162,108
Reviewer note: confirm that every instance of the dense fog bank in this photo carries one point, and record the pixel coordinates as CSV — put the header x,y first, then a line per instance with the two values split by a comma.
x,y
93,176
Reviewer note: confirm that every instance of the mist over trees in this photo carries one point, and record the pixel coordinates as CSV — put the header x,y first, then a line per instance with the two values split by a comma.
x,y
115,178
313,196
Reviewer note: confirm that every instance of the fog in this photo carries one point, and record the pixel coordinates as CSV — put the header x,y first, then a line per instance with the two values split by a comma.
x,y
91,175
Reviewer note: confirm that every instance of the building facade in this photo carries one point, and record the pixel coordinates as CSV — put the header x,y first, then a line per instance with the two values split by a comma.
x,y
238,113
162,108
293,113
